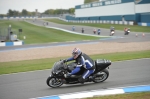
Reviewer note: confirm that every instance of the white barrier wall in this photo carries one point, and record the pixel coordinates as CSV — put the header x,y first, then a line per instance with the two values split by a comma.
x,y
104,22
142,8
16,43
109,10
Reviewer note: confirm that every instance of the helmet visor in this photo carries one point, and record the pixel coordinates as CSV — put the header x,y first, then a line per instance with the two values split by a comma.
x,y
75,55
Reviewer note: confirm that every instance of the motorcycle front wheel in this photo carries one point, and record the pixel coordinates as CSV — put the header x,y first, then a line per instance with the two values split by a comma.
x,y
54,82
101,76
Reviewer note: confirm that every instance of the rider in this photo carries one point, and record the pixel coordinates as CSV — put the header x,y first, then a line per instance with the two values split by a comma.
x,y
112,29
82,60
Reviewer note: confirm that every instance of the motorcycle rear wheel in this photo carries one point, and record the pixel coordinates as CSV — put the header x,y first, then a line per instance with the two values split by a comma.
x,y
54,82
101,76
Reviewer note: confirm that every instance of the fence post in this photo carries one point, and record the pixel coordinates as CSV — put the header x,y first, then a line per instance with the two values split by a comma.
x,y
9,30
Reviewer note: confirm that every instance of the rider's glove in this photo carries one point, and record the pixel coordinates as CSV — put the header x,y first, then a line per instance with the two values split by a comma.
x,y
64,60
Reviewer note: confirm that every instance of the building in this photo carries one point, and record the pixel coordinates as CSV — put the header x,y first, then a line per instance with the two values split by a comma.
x,y
113,11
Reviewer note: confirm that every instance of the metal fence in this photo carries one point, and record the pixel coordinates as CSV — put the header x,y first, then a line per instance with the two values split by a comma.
x,y
8,34
4,35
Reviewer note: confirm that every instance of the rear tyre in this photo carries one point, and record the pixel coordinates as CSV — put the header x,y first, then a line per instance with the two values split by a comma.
x,y
54,82
101,76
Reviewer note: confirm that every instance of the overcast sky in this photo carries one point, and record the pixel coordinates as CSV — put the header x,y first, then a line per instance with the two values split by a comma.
x,y
41,5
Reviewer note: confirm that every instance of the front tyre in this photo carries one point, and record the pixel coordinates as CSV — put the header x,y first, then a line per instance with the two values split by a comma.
x,y
101,76
54,82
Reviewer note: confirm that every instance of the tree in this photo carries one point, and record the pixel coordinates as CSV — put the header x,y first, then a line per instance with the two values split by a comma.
x,y
13,13
10,12
57,11
89,1
24,12
71,10
16,13
50,11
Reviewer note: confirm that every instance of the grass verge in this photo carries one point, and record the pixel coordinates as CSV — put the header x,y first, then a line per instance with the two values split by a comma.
x,y
36,34
140,95
134,28
41,64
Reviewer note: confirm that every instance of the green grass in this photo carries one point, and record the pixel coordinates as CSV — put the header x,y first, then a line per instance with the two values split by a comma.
x,y
140,95
36,34
134,28
41,64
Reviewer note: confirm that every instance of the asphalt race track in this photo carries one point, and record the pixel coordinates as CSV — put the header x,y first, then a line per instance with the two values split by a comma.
x,y
33,84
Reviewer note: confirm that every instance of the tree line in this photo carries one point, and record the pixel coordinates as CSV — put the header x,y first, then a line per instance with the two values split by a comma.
x,y
89,1
59,11
24,12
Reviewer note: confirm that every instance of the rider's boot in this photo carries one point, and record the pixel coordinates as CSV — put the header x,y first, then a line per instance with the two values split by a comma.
x,y
91,78
81,80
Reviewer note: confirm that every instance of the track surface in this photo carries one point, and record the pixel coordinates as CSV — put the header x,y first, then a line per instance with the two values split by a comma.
x,y
33,84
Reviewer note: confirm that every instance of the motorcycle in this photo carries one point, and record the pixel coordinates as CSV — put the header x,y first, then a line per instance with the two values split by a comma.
x,y
112,32
127,32
60,69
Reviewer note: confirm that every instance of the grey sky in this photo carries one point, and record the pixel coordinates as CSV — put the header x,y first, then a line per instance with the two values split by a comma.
x,y
41,5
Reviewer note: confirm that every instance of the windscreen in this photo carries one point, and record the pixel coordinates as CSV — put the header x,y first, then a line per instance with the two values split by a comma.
x,y
57,66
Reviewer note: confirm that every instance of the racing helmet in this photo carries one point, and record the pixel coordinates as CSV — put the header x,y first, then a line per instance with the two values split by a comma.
x,y
76,52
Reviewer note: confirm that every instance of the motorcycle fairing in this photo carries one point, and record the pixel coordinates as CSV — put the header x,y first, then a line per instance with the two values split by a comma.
x,y
102,64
